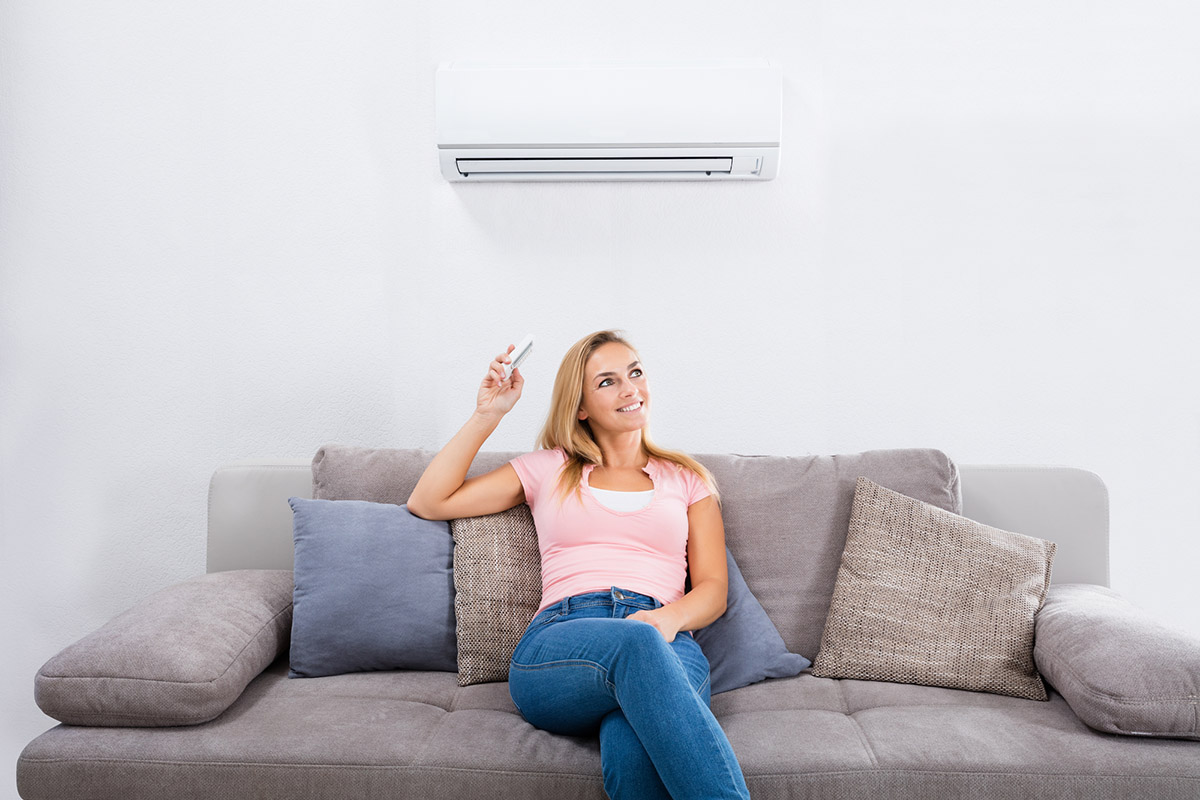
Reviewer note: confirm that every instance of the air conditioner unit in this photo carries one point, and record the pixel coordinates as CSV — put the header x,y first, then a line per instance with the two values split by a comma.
x,y
604,121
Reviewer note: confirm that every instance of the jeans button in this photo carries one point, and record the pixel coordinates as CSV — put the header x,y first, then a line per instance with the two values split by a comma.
x,y
619,594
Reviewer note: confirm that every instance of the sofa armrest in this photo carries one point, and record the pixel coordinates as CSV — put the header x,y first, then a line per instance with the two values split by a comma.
x,y
1118,669
180,657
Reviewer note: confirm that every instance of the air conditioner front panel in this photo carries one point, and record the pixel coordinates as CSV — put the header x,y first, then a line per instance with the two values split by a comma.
x,y
583,105
548,115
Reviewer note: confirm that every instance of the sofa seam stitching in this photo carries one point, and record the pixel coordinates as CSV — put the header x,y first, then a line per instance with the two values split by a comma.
x,y
866,742
1062,775
419,758
285,765
1062,664
858,728
767,776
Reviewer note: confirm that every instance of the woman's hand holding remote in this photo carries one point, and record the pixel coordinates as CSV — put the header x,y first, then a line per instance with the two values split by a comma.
x,y
497,396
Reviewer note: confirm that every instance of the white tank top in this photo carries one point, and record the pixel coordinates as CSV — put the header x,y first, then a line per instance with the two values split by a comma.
x,y
622,501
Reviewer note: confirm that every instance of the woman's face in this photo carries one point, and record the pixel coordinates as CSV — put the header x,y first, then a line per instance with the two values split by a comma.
x,y
612,380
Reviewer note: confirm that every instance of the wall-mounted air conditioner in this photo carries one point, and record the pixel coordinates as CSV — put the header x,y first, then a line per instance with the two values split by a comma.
x,y
694,120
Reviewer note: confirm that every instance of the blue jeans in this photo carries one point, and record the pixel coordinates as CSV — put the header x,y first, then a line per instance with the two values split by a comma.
x,y
580,665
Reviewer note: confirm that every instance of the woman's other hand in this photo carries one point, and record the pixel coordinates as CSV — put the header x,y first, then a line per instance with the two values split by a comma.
x,y
660,618
497,396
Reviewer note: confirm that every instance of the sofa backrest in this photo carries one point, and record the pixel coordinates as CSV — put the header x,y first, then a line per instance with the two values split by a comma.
x,y
785,517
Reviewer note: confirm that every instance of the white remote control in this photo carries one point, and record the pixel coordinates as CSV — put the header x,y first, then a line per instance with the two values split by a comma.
x,y
518,355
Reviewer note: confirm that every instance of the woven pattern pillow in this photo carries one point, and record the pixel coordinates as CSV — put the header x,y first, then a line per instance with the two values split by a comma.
x,y
497,590
929,597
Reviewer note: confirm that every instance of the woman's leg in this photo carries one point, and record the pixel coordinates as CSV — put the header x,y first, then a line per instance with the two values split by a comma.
x,y
567,675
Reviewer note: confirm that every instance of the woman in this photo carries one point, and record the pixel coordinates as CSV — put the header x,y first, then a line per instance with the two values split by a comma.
x,y
621,525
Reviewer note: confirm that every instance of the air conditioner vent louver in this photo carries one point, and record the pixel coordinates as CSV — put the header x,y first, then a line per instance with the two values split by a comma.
x,y
497,166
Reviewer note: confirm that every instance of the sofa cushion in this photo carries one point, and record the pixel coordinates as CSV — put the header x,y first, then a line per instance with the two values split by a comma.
x,y
497,590
418,734
1120,669
742,646
929,597
373,589
179,657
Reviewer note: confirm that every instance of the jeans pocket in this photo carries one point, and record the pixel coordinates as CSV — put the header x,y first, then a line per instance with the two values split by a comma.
x,y
543,618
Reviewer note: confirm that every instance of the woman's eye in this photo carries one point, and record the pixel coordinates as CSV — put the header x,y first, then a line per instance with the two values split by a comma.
x,y
606,380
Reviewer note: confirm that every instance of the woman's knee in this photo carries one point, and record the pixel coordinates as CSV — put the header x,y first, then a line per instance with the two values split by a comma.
x,y
645,638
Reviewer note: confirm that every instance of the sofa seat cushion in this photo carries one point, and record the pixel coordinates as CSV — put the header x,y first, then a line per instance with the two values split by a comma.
x,y
1045,740
801,693
921,741
419,734
361,735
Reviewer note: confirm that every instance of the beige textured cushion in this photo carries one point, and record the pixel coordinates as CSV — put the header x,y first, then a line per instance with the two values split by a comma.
x,y
498,587
929,597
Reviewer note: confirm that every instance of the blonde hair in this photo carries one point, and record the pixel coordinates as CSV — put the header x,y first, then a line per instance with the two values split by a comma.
x,y
564,429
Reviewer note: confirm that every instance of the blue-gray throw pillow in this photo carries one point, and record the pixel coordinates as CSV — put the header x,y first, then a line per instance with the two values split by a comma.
x,y
374,589
742,646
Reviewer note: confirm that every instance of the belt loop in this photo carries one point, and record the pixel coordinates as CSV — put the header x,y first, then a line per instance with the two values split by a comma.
x,y
566,605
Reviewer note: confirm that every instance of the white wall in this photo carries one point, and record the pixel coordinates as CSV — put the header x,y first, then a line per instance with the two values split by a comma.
x,y
223,234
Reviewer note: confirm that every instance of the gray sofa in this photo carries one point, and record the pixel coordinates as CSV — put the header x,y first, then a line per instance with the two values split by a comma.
x,y
420,735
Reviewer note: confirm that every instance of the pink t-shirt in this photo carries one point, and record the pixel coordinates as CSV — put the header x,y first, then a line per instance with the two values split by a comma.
x,y
590,547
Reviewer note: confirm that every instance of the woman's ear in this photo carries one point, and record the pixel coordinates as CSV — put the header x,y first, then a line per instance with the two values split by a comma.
x,y
582,415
